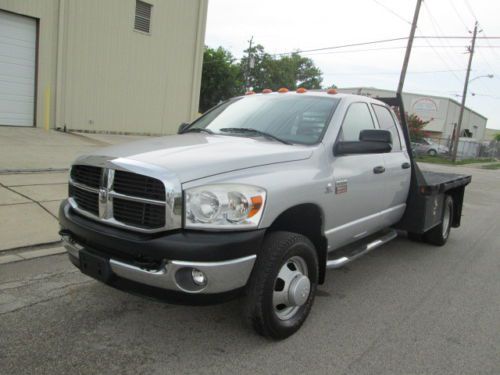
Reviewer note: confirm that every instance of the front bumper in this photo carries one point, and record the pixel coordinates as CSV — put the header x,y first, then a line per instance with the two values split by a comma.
x,y
226,259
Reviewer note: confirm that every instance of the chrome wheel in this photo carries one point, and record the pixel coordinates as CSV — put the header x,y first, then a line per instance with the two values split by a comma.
x,y
291,288
446,219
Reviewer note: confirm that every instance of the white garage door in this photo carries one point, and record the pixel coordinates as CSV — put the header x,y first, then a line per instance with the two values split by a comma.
x,y
17,69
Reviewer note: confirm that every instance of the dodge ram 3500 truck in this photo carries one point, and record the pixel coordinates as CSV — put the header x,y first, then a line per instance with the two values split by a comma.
x,y
258,197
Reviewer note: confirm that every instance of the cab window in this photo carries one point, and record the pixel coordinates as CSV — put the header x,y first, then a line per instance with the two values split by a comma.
x,y
357,118
386,122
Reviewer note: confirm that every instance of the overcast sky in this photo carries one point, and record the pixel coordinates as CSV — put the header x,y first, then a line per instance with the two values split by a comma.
x,y
288,25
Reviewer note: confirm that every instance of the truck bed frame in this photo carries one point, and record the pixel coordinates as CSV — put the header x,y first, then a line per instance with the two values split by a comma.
x,y
428,190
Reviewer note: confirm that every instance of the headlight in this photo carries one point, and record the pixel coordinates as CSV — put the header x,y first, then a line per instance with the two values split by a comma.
x,y
224,206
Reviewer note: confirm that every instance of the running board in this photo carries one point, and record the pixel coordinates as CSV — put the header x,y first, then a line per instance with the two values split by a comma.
x,y
360,248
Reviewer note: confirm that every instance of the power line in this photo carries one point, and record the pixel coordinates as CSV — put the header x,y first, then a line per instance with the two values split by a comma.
x,y
391,11
458,15
439,31
470,9
442,60
378,42
390,73
385,49
343,46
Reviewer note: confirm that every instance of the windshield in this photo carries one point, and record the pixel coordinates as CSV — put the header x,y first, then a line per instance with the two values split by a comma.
x,y
290,118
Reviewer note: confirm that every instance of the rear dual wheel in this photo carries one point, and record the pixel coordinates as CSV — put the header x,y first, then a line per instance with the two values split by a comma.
x,y
283,284
440,233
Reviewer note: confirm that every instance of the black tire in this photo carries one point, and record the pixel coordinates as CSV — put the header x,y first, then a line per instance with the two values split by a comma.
x,y
259,312
432,152
440,233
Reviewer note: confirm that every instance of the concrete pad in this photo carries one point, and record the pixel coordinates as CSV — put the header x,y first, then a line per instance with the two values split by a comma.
x,y
25,225
52,206
41,193
4,259
9,197
34,148
41,253
34,178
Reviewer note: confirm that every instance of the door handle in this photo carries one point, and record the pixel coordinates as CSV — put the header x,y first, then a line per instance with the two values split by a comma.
x,y
379,169
405,165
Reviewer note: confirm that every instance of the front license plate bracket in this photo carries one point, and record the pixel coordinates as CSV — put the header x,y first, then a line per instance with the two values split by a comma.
x,y
95,266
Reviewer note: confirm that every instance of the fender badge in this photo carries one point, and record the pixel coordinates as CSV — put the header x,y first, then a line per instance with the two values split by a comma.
x,y
340,186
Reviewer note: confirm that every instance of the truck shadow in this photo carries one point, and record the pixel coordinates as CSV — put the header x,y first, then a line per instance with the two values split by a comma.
x,y
103,322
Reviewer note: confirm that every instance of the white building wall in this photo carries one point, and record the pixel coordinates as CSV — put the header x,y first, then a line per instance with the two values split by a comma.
x,y
443,113
103,75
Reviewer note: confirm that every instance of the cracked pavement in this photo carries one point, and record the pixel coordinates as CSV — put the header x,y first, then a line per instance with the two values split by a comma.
x,y
405,308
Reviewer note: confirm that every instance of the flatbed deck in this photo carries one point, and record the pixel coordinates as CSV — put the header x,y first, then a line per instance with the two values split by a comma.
x,y
441,182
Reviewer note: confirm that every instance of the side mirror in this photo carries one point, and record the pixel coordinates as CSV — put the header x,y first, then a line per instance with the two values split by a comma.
x,y
371,141
375,135
182,127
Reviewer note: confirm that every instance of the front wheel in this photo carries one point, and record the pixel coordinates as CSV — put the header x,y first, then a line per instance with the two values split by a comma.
x,y
432,152
440,233
283,284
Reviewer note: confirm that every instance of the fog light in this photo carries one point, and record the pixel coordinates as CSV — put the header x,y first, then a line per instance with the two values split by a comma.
x,y
199,277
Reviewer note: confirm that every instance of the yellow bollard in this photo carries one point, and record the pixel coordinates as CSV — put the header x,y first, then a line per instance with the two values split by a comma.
x,y
47,108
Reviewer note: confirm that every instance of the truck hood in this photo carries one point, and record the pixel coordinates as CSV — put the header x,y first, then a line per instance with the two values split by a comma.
x,y
197,155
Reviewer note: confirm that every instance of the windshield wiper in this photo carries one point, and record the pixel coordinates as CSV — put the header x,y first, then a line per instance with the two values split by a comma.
x,y
255,131
198,130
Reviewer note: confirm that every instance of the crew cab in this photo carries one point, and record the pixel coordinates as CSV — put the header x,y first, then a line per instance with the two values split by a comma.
x,y
255,199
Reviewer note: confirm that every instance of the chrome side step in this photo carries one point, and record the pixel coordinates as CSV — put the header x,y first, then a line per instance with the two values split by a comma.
x,y
360,250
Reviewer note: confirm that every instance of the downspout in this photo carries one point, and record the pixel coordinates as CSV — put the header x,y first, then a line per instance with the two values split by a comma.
x,y
59,65
198,58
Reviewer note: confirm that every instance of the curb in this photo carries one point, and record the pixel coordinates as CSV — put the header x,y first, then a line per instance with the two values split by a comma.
x,y
30,254
37,170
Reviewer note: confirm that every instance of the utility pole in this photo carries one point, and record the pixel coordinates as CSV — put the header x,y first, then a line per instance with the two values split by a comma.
x,y
408,48
464,96
250,63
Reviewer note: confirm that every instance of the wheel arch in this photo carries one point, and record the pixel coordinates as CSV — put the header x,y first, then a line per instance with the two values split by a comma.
x,y
306,219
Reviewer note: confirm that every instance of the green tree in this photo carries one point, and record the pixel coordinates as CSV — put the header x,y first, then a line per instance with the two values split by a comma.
x,y
497,137
221,78
291,71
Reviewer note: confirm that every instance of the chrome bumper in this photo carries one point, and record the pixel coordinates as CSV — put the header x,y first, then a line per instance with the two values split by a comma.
x,y
221,276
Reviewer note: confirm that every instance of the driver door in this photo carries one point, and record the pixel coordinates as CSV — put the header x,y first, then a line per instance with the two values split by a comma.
x,y
357,186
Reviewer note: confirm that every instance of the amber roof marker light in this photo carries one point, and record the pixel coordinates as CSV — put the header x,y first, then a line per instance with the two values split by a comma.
x,y
283,90
267,91
332,91
250,93
301,90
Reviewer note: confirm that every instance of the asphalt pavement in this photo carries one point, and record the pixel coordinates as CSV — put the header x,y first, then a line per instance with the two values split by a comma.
x,y
405,308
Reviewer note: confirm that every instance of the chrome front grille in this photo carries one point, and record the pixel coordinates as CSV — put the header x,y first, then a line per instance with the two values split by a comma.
x,y
86,200
138,185
87,175
119,198
139,214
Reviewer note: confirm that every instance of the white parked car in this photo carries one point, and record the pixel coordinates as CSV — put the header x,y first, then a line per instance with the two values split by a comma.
x,y
427,146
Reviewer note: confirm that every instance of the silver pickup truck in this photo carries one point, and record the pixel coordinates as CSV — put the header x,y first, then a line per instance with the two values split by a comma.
x,y
257,198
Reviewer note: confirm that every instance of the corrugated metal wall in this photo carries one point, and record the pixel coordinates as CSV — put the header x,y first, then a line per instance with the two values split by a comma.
x,y
47,13
109,77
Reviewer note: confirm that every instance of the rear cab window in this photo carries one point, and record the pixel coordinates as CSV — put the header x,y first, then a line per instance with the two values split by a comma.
x,y
386,122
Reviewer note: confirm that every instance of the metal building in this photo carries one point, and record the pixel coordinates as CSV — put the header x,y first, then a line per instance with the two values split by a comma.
x,y
124,66
442,113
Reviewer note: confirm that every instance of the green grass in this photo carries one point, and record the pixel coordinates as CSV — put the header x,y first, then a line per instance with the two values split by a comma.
x,y
442,160
491,166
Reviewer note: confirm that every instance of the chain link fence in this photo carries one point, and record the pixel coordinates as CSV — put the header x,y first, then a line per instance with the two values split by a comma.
x,y
468,148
